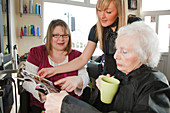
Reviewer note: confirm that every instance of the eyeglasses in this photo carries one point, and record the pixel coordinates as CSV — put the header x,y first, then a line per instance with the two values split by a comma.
x,y
58,36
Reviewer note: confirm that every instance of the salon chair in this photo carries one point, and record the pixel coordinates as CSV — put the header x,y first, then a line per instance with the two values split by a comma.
x,y
24,95
159,98
94,69
6,93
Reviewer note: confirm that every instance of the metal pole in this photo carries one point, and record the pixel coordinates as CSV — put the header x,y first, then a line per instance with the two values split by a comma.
x,y
68,15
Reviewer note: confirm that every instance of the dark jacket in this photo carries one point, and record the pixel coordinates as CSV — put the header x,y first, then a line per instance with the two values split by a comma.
x,y
132,96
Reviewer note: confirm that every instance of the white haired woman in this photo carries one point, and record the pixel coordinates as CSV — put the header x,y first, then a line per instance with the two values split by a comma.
x,y
136,55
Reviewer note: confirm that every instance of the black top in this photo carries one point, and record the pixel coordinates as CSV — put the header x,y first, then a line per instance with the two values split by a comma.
x,y
92,35
108,45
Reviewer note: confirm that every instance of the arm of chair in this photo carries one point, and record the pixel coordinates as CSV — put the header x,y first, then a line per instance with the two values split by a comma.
x,y
94,69
159,100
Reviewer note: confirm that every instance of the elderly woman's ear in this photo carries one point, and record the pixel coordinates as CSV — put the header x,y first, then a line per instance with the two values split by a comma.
x,y
147,60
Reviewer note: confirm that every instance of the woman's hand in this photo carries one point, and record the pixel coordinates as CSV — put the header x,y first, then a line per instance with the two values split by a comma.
x,y
54,101
98,80
42,96
70,83
47,72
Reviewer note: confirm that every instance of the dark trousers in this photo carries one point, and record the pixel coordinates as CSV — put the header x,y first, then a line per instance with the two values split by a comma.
x,y
35,109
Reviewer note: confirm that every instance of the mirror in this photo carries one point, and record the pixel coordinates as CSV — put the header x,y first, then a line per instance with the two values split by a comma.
x,y
5,37
5,28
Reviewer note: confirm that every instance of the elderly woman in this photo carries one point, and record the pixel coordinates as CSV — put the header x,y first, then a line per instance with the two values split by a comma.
x,y
136,55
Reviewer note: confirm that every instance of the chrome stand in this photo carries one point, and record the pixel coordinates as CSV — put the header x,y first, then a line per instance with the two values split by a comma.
x,y
1,101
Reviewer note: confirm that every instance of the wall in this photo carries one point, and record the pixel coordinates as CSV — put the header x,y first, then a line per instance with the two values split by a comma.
x,y
25,43
137,11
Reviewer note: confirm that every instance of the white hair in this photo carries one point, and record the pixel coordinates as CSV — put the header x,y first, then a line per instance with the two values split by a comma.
x,y
147,45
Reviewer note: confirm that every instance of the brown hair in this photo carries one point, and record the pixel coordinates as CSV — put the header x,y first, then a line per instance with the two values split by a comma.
x,y
49,35
121,6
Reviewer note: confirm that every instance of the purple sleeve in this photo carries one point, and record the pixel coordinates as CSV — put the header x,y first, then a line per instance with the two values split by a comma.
x,y
35,56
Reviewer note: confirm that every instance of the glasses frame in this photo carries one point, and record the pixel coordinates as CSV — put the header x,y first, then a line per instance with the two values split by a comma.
x,y
65,36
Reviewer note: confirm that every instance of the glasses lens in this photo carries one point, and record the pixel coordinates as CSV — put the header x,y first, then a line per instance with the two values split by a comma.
x,y
65,36
58,36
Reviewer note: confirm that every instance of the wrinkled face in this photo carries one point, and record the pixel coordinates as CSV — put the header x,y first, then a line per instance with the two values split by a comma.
x,y
126,58
109,15
59,40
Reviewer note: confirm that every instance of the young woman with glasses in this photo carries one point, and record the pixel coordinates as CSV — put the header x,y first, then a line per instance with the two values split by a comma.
x,y
56,51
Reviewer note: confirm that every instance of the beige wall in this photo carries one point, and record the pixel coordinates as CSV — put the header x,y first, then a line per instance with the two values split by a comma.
x,y
25,43
135,12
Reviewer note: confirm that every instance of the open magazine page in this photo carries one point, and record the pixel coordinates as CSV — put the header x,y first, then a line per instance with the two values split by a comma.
x,y
43,85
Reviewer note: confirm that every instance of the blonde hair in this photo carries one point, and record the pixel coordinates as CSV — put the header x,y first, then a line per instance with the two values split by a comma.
x,y
121,6
49,35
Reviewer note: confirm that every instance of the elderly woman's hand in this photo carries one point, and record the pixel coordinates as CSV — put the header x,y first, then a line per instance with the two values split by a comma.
x,y
54,101
98,80
70,83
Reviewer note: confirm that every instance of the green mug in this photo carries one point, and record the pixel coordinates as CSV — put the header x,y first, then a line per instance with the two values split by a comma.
x,y
108,89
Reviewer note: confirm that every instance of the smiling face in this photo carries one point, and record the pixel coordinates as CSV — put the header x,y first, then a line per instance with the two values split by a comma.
x,y
59,43
108,15
126,58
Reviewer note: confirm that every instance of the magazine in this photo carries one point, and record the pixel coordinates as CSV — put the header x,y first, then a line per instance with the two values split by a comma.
x,y
43,85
